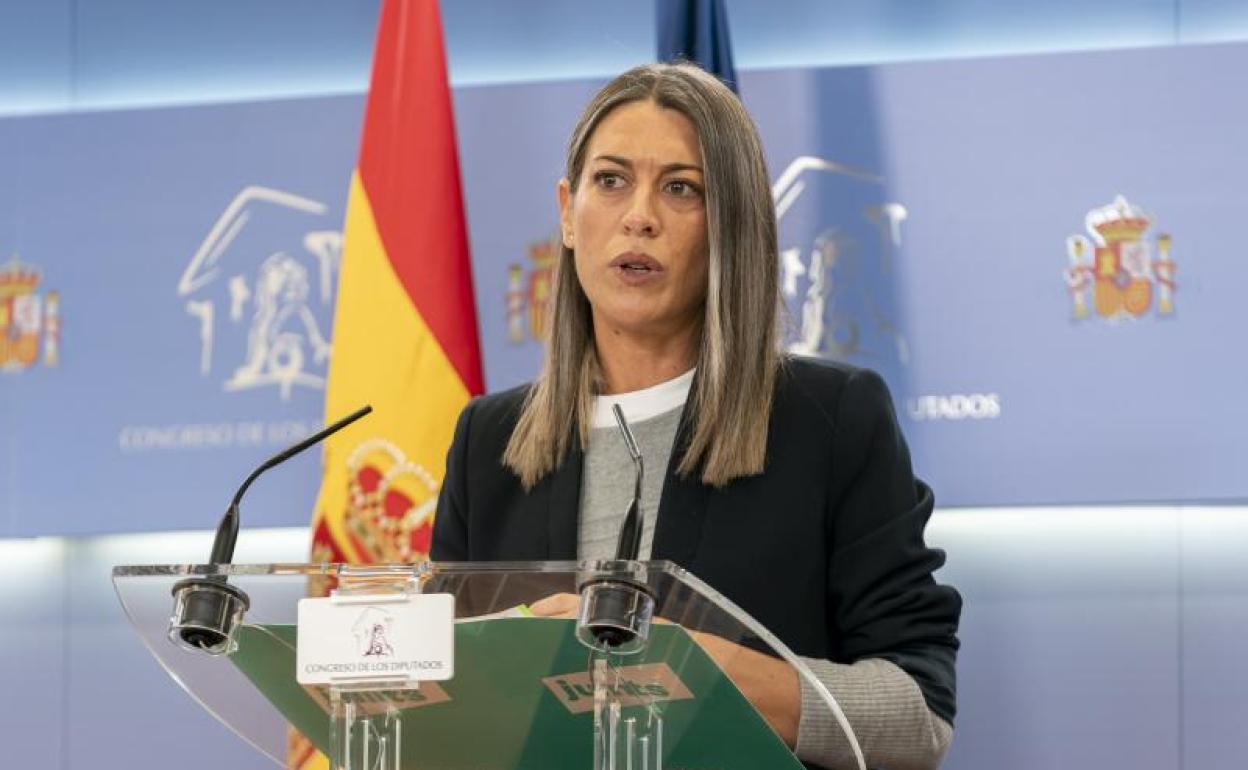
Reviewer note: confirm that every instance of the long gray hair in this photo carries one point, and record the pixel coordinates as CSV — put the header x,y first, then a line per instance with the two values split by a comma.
x,y
738,359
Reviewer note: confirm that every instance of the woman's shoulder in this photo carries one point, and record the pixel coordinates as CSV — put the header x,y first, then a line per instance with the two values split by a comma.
x,y
830,386
816,371
495,413
501,403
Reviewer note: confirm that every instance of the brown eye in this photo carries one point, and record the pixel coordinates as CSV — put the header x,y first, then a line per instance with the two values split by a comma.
x,y
682,188
608,180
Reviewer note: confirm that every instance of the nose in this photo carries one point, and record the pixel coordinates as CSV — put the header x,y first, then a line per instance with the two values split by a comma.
x,y
641,219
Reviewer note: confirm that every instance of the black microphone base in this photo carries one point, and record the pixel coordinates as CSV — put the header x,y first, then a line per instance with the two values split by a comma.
x,y
615,614
206,614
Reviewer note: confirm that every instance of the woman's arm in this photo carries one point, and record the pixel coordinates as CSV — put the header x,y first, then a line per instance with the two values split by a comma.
x,y
893,725
885,603
770,684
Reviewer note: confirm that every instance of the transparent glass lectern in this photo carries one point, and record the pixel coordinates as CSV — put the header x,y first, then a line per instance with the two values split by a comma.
x,y
527,692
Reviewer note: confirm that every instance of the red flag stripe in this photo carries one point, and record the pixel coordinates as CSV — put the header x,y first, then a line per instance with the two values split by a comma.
x,y
409,165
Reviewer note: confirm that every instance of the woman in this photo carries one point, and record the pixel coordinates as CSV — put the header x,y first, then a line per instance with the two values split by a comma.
x,y
666,302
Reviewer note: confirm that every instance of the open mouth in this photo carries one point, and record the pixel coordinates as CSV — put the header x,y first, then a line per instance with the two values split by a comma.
x,y
636,264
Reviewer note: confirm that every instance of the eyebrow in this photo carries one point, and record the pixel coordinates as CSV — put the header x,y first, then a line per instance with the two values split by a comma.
x,y
667,168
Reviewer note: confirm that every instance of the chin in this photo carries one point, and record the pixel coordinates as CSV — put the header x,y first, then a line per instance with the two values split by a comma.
x,y
634,320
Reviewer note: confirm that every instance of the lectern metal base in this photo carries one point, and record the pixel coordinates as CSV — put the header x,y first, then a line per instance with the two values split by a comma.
x,y
365,736
633,742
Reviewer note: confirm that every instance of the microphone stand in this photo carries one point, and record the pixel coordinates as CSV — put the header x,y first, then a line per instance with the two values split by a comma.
x,y
207,610
628,547
617,606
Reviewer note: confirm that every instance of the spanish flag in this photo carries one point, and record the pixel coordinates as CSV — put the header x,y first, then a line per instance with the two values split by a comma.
x,y
405,325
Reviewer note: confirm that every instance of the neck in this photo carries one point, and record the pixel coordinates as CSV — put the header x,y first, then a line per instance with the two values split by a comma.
x,y
632,362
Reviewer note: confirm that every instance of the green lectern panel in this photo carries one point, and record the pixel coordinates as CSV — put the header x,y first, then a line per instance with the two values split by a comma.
x,y
521,700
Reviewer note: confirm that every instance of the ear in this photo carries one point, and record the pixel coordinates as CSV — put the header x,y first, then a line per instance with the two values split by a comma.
x,y
564,193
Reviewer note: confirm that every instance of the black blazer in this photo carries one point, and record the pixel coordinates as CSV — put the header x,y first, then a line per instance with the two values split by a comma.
x,y
824,548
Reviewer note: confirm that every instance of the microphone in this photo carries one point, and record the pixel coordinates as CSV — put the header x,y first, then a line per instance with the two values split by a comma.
x,y
227,530
207,610
629,545
616,608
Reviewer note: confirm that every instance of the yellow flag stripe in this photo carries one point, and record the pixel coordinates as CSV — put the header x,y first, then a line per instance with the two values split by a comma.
x,y
385,355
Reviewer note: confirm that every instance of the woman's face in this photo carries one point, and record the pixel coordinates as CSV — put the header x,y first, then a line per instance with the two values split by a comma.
x,y
637,222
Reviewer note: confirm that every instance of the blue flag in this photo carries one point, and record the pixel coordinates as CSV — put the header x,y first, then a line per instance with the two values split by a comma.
x,y
696,31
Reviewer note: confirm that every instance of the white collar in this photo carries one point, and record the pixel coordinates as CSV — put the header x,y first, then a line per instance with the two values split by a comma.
x,y
642,404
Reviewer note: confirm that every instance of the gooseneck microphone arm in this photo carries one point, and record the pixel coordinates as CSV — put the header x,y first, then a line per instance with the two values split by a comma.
x,y
227,530
207,610
628,548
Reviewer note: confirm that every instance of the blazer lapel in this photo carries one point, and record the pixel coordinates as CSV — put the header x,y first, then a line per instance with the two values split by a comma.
x,y
565,504
682,504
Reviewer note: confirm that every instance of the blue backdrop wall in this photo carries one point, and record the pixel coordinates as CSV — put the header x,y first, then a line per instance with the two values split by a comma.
x,y
1022,253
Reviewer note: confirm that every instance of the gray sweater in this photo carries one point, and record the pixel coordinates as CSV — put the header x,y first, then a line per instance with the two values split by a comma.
x,y
884,705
